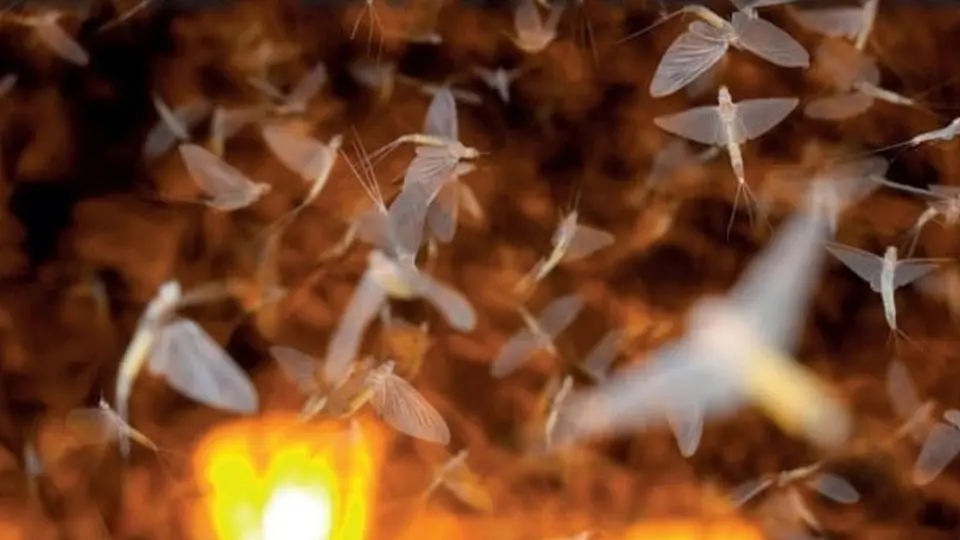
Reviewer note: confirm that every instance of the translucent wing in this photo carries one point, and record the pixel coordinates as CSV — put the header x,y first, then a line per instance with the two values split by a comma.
x,y
197,367
374,229
585,241
909,270
160,139
746,491
838,106
308,87
862,263
753,4
526,19
305,156
769,42
673,155
559,314
431,168
902,391
401,406
686,423
93,425
688,57
406,217
300,368
342,349
601,357
754,117
174,125
441,118
699,124
227,185
941,446
844,64
839,22
514,353
454,307
49,32
776,288
834,488
952,416
442,213
469,201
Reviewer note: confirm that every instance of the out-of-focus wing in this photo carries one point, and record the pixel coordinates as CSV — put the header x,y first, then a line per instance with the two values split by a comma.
x,y
93,425
300,368
835,488
699,124
901,390
307,87
769,42
862,263
686,423
585,241
754,117
406,218
50,34
692,54
746,491
200,369
559,314
838,106
909,270
941,446
842,22
307,157
367,299
454,307
443,211
441,120
228,187
401,406
602,355
161,138
514,353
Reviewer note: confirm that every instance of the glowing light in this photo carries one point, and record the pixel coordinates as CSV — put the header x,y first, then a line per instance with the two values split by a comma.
x,y
298,514
275,478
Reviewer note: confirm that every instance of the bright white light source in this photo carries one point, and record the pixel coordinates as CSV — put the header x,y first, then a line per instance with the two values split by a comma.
x,y
298,514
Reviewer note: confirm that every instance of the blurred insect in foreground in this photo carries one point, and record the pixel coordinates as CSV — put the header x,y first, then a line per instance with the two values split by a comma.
x,y
182,352
885,274
852,23
46,27
939,449
537,334
309,158
829,485
705,42
730,125
228,188
385,278
533,33
736,350
499,79
945,204
455,476
856,78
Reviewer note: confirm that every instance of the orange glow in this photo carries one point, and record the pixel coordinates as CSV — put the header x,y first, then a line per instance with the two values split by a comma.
x,y
275,478
715,529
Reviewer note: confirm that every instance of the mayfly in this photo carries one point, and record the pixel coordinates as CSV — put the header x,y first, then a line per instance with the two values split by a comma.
x,y
499,79
940,447
456,477
537,334
736,350
174,125
571,242
311,159
101,424
706,41
303,371
855,77
946,133
182,352
296,101
945,203
829,485
228,188
853,23
384,278
533,33
399,404
729,125
885,274
438,153
47,28
431,89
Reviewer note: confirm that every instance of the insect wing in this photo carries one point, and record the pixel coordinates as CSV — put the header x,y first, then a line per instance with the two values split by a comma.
x,y
53,36
366,302
754,117
835,488
305,156
862,263
689,56
941,446
441,120
300,368
768,41
699,124
401,406
585,241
